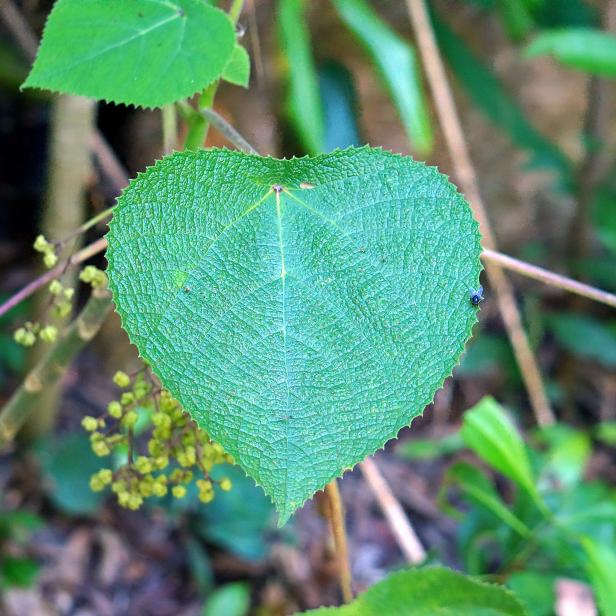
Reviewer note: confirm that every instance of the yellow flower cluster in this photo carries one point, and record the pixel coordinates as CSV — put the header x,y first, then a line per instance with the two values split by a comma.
x,y
176,454
47,249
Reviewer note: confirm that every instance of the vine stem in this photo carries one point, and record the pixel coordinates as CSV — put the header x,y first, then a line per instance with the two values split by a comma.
x,y
335,514
542,275
467,177
53,364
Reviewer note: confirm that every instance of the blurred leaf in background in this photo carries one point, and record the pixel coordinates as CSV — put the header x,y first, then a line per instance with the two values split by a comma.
x,y
485,89
237,520
67,463
536,590
16,567
487,354
228,600
304,104
585,49
429,449
601,567
584,336
397,64
492,436
339,106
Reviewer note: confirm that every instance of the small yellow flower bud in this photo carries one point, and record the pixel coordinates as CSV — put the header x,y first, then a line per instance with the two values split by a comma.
x,y
89,423
50,259
41,244
121,379
115,409
55,288
49,334
178,491
225,484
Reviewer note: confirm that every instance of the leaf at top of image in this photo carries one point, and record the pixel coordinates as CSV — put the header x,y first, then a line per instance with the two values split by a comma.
x,y
427,592
147,53
326,301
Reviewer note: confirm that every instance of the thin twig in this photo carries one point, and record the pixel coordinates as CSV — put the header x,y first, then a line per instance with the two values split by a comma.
x,y
465,173
547,277
405,535
335,515
79,257
228,131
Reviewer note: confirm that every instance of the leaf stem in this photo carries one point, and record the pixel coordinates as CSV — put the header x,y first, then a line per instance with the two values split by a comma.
x,y
335,514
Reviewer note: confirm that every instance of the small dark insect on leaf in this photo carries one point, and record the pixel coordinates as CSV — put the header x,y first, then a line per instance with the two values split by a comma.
x,y
187,289
476,296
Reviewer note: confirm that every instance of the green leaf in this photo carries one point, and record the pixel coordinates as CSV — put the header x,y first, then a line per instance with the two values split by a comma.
x,y
428,449
584,336
303,98
230,600
604,213
325,302
398,66
68,463
606,432
147,53
601,569
586,49
237,70
535,590
339,107
431,591
485,89
236,520
478,489
492,436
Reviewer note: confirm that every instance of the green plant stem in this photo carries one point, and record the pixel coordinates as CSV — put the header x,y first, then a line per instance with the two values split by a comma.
x,y
198,124
170,128
53,364
335,514
235,10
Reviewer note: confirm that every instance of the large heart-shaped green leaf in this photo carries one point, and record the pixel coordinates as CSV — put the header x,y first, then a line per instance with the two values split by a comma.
x,y
143,52
302,311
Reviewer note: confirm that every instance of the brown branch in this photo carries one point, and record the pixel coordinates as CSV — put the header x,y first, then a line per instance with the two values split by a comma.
x,y
465,173
405,535
335,514
547,277
53,364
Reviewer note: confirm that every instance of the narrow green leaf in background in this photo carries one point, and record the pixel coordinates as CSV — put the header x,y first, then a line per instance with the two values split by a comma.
x,y
302,311
426,592
476,486
303,100
601,569
586,49
485,89
147,53
397,63
339,107
584,336
492,436
237,70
